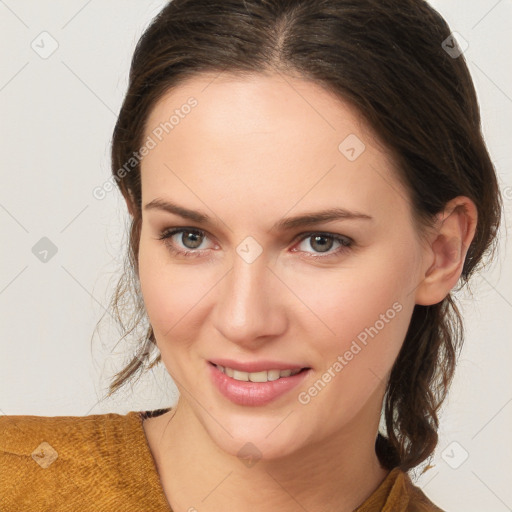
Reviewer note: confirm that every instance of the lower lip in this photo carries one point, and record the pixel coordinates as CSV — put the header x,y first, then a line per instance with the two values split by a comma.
x,y
254,393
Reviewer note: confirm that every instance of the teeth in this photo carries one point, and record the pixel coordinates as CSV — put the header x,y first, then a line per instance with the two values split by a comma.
x,y
263,376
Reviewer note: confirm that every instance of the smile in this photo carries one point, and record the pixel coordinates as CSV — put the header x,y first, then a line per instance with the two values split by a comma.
x,y
255,388
263,376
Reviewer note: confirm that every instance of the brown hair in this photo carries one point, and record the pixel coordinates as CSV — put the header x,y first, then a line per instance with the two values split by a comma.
x,y
384,57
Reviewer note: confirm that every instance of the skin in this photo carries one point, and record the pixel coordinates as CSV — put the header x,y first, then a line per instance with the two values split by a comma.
x,y
254,151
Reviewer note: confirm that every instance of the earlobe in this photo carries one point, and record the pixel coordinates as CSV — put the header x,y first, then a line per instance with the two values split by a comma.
x,y
449,246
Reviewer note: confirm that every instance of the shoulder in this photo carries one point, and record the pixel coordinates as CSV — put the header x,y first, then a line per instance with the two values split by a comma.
x,y
397,493
17,429
417,500
45,439
63,459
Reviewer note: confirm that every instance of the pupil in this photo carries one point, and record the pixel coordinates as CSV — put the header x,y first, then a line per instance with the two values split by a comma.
x,y
193,238
323,247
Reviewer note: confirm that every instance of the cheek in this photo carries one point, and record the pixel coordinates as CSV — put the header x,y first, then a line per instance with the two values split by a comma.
x,y
169,292
367,309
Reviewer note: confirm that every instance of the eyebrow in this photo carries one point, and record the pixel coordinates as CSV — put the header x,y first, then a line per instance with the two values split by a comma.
x,y
305,219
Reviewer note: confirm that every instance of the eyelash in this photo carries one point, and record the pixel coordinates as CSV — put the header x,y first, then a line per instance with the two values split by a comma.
x,y
346,243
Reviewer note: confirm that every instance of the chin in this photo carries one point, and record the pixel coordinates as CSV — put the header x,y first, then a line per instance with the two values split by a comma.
x,y
257,445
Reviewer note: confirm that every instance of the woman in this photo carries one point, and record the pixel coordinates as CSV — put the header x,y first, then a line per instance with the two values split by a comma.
x,y
307,183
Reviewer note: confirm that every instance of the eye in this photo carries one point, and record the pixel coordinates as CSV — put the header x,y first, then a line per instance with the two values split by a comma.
x,y
322,243
191,240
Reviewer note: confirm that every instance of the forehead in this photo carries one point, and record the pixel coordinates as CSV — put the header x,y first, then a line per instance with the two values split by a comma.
x,y
270,135
259,102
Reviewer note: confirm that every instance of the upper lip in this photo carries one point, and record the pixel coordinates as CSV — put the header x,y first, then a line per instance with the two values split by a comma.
x,y
256,366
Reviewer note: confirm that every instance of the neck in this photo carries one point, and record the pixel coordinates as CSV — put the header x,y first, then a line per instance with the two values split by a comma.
x,y
337,474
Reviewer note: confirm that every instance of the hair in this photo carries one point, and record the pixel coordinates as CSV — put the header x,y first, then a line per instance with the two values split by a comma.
x,y
386,59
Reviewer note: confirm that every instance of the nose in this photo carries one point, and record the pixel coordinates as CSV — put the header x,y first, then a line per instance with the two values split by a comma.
x,y
250,306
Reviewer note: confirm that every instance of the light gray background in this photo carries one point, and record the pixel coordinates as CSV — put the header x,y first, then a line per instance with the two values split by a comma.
x,y
57,117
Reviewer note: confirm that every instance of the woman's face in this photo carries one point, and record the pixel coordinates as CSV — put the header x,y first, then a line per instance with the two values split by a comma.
x,y
334,295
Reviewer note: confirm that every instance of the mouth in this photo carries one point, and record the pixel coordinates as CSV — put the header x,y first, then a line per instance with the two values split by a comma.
x,y
269,375
256,388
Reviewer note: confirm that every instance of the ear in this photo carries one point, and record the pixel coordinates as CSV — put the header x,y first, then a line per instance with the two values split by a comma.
x,y
447,247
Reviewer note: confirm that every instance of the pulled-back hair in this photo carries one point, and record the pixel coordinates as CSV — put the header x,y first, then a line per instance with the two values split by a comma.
x,y
387,59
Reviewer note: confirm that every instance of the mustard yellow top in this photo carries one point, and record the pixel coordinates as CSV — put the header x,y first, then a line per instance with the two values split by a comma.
x,y
103,463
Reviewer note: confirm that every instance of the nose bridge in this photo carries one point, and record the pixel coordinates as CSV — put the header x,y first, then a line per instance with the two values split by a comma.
x,y
249,305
